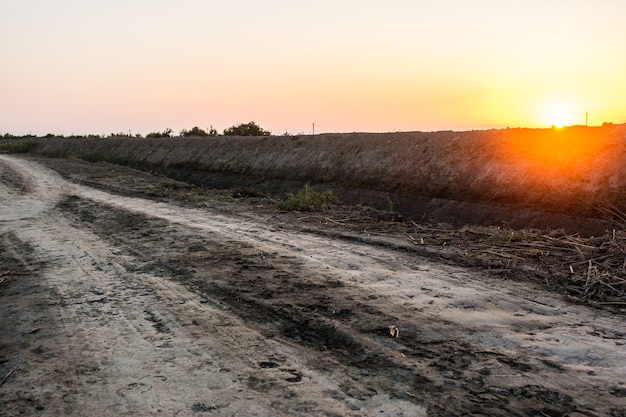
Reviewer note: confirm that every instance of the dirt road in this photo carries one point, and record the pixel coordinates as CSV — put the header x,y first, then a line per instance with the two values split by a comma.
x,y
121,305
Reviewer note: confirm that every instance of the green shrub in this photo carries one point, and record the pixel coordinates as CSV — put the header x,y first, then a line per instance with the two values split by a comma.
x,y
308,199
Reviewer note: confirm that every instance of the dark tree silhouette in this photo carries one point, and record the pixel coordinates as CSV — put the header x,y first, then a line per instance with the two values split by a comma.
x,y
195,131
167,133
246,129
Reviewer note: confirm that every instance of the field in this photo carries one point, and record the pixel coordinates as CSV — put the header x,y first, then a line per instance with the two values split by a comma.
x,y
157,277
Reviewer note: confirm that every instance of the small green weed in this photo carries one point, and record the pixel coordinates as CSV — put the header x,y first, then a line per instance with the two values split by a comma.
x,y
390,205
308,199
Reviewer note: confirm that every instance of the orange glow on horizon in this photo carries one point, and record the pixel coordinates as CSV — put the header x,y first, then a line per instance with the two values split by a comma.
x,y
102,67
558,152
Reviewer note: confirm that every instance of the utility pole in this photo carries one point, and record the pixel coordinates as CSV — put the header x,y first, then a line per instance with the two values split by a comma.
x,y
314,128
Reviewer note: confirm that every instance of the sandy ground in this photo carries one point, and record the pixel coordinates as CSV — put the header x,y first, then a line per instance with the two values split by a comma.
x,y
116,302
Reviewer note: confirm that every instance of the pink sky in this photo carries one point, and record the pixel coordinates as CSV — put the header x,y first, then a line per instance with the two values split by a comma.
x,y
117,65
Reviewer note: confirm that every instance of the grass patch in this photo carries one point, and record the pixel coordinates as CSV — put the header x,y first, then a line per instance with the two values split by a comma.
x,y
307,199
17,146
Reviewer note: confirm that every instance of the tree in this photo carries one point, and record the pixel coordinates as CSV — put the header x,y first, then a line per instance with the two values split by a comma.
x,y
167,133
195,131
246,129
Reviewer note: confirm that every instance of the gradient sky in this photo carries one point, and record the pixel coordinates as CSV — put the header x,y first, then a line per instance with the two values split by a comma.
x,y
103,66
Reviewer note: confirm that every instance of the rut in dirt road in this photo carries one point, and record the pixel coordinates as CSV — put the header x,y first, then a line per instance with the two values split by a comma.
x,y
138,307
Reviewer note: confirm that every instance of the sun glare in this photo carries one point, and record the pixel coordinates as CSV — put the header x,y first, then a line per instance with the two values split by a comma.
x,y
557,152
559,115
559,120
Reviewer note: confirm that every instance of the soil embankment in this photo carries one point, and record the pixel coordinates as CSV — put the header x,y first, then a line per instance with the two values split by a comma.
x,y
556,178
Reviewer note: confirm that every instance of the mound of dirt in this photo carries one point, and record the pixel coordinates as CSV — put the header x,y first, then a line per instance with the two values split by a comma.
x,y
567,178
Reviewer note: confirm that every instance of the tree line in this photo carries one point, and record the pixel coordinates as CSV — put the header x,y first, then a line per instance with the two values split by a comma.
x,y
243,129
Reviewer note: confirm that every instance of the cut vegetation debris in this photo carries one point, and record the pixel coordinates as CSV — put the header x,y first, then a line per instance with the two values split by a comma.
x,y
587,269
591,269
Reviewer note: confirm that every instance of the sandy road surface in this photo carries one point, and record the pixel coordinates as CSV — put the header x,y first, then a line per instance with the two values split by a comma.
x,y
113,305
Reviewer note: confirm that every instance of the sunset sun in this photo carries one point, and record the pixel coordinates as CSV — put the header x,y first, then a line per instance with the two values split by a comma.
x,y
559,119
559,114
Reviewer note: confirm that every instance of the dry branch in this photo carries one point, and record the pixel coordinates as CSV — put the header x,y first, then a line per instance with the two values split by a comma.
x,y
6,377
